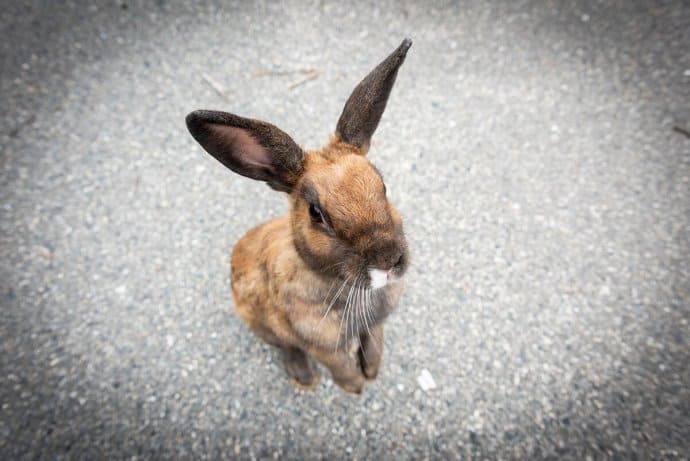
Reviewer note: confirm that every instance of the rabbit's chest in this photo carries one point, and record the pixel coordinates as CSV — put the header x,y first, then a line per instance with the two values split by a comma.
x,y
341,322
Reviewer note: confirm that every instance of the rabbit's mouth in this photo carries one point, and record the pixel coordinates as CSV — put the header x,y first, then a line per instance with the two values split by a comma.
x,y
380,278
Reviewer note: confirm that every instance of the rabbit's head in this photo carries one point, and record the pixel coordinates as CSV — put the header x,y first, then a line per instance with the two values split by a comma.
x,y
342,222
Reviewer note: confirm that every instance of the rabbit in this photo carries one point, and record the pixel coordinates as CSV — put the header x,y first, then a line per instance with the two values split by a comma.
x,y
320,280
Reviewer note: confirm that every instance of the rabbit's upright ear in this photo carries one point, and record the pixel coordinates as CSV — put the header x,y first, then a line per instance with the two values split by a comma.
x,y
367,102
249,147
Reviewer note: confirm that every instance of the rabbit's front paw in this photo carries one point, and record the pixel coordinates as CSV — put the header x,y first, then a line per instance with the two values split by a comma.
x,y
370,369
353,385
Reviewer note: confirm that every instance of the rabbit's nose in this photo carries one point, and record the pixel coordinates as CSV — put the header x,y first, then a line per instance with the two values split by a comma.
x,y
400,265
398,262
397,259
392,261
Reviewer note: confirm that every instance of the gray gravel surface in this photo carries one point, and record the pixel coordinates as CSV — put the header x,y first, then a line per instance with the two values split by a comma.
x,y
528,145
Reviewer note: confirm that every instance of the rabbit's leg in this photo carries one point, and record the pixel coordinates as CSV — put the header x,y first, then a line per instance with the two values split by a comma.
x,y
344,368
295,361
371,348
298,368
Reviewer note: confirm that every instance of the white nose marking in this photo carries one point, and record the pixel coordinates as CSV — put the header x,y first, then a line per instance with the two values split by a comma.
x,y
379,278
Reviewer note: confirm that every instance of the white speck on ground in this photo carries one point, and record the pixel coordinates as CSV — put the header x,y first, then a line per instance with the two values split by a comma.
x,y
426,381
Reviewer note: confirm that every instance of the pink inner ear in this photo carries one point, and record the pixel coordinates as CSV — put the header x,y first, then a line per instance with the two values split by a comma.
x,y
238,143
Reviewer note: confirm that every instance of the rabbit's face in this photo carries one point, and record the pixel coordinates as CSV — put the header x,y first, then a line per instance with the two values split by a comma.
x,y
343,223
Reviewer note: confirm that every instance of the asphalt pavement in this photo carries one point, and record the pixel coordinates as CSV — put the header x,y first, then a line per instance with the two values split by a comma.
x,y
538,151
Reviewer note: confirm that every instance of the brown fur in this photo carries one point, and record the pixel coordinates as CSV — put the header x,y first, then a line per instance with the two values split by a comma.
x,y
301,281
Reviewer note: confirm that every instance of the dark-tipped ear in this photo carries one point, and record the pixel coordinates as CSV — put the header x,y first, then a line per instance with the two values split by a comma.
x,y
249,147
365,105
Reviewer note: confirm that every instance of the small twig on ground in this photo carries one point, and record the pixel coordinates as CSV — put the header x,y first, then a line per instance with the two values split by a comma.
x,y
215,85
273,73
310,76
681,130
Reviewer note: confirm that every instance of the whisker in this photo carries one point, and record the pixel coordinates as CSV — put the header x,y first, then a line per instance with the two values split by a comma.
x,y
358,303
365,303
366,310
325,300
350,307
353,308
362,298
340,326
341,263
370,306
342,319
362,314
346,313
335,297
333,300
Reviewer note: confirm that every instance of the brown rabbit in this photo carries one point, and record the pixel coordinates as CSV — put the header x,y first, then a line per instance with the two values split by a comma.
x,y
320,280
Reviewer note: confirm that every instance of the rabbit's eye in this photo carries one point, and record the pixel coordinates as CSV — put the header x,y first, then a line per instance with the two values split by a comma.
x,y
315,213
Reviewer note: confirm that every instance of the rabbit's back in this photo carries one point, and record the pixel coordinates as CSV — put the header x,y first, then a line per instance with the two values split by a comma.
x,y
253,278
